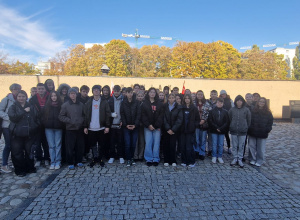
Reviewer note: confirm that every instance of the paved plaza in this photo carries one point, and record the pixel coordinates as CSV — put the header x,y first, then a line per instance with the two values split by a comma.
x,y
207,191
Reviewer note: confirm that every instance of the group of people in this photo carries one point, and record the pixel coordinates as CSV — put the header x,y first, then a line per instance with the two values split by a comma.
x,y
129,125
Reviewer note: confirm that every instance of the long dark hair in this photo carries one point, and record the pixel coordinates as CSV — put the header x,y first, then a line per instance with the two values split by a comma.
x,y
156,94
203,100
190,97
48,104
265,109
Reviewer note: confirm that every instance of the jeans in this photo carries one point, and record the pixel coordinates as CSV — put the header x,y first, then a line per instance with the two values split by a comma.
x,y
217,145
152,139
130,137
237,144
201,141
54,138
6,150
257,147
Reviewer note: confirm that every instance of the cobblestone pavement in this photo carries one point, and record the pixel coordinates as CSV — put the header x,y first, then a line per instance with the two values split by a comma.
x,y
207,191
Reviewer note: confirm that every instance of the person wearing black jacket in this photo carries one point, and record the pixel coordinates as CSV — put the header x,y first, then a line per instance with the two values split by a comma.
x,y
53,128
130,117
152,119
172,123
218,121
261,126
191,119
24,124
106,145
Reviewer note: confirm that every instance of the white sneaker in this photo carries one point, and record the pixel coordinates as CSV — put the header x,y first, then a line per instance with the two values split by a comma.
x,y
37,164
121,161
233,162
192,165
252,162
174,164
52,167
166,164
57,167
214,160
220,160
240,163
6,169
47,163
111,160
183,164
257,164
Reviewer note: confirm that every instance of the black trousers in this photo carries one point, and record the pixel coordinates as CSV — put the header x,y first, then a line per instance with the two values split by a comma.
x,y
106,145
86,144
169,148
96,139
116,143
20,154
227,139
187,148
41,146
74,146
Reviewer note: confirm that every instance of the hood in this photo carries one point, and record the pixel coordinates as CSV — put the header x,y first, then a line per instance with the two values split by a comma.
x,y
47,86
120,97
61,86
107,87
239,97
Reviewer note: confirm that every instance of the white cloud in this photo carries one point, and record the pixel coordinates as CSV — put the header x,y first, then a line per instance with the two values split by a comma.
x,y
22,32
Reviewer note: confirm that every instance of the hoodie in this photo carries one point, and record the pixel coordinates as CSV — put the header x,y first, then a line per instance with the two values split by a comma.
x,y
4,106
115,106
240,118
61,86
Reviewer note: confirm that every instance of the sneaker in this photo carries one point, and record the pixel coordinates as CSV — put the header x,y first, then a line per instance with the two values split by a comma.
x,y
71,167
111,160
52,167
133,162
6,169
80,165
149,164
122,160
220,160
214,160
47,163
229,151
240,163
233,162
192,165
174,164
128,164
102,163
57,167
257,164
155,164
37,164
183,164
166,164
201,157
252,162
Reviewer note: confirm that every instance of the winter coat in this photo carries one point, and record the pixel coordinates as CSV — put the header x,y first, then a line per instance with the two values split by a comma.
x,y
240,119
35,102
194,119
104,112
218,119
72,115
82,100
52,121
130,112
4,106
149,117
228,104
23,124
173,119
261,124
61,86
204,112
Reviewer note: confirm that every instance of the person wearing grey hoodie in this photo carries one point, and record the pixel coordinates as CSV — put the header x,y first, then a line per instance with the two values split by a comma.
x,y
240,119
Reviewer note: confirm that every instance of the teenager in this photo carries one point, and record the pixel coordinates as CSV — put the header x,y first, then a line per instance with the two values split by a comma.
x,y
49,85
63,92
140,147
178,99
41,144
191,119
172,123
261,126
166,91
72,115
249,100
5,104
152,119
130,116
106,146
33,91
256,97
240,119
175,90
213,102
218,121
136,88
162,97
116,135
203,107
53,128
97,123
24,123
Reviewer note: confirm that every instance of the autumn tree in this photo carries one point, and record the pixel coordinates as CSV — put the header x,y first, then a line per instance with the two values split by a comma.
x,y
76,64
296,63
135,62
57,63
117,56
3,65
95,58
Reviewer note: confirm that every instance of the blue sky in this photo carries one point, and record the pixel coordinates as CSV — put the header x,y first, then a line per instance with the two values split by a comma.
x,y
33,30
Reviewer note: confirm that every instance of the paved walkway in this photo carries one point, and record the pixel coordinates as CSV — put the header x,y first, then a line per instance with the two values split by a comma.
x,y
208,191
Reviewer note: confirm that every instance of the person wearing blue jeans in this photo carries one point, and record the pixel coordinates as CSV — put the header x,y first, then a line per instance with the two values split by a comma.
x,y
152,119
218,121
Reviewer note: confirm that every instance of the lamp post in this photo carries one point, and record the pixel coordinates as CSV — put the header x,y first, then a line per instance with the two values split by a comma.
x,y
105,70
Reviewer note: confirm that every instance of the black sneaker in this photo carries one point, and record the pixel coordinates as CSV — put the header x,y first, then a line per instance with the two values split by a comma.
x,y
155,164
102,163
128,163
92,164
201,157
149,164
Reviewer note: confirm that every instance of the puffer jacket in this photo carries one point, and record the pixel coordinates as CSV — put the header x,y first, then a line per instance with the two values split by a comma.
x,y
218,119
173,119
72,115
130,112
149,117
51,120
23,124
61,86
4,106
261,124
194,119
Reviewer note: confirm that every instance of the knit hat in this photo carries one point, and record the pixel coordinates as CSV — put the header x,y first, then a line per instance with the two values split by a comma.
x,y
72,90
223,92
96,87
